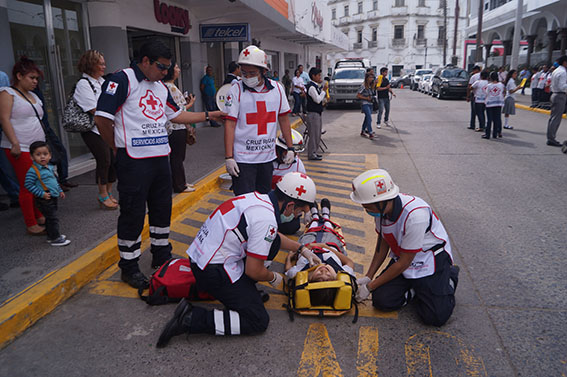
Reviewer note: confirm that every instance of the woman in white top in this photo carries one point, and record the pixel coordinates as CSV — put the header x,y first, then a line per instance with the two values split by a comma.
x,y
298,93
510,100
178,132
494,101
22,127
88,89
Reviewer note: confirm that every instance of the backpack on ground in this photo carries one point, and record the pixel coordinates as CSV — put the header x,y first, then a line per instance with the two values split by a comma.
x,y
173,281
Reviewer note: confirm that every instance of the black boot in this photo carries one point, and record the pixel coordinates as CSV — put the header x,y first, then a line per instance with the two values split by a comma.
x,y
179,324
325,203
136,280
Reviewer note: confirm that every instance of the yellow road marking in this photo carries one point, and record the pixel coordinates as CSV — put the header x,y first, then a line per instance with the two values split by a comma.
x,y
318,357
366,361
418,358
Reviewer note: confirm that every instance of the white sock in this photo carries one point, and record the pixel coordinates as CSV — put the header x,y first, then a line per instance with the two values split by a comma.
x,y
505,121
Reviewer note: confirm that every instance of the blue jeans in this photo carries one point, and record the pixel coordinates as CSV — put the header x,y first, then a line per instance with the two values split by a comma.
x,y
479,110
494,118
367,124
297,102
383,104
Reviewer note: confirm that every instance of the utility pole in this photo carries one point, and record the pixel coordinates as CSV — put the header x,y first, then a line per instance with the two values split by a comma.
x,y
478,57
444,32
455,33
516,37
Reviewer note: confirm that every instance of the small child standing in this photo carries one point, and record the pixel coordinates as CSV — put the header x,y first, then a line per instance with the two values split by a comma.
x,y
494,101
42,183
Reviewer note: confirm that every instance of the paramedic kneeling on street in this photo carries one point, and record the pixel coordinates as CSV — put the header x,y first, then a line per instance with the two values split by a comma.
x,y
228,254
422,263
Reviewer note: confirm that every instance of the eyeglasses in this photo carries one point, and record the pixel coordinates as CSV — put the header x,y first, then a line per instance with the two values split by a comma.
x,y
162,67
249,73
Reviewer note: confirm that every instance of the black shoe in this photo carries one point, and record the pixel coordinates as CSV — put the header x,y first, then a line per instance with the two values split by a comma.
x,y
69,184
485,137
325,203
319,155
564,147
65,188
470,128
136,280
265,296
179,324
553,143
454,277
316,158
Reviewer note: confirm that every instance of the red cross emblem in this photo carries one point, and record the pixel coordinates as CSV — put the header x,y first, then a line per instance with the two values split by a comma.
x,y
300,190
272,231
228,98
112,85
226,206
246,52
261,118
302,175
151,106
380,184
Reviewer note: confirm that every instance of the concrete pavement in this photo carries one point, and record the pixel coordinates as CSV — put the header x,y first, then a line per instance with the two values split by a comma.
x,y
501,202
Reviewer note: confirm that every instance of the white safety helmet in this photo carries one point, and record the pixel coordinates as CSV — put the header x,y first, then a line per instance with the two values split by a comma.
x,y
254,56
298,186
373,186
296,139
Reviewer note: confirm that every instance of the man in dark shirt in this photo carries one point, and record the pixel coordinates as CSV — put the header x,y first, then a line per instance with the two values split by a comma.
x,y
383,91
233,73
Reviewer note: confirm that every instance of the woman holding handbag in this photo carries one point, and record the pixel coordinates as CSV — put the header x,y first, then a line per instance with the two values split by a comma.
x,y
20,114
86,93
179,135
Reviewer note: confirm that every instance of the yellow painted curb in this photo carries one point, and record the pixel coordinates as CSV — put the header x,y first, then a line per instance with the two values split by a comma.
x,y
27,307
535,110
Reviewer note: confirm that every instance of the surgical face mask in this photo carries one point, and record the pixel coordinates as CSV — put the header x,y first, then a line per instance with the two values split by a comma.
x,y
374,214
286,219
251,82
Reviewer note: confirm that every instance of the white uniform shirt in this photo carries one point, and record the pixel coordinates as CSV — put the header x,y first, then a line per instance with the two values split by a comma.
x,y
256,115
559,80
474,78
26,125
282,169
541,80
217,243
479,90
495,94
84,95
297,81
509,87
407,234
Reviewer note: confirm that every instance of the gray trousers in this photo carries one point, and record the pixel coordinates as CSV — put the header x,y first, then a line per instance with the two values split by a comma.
x,y
314,125
557,108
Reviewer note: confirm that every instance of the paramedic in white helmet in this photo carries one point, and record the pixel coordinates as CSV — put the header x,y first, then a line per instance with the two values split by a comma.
x,y
228,255
255,106
422,263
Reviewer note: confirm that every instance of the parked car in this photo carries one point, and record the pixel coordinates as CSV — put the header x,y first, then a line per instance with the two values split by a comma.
x,y
449,82
345,82
417,77
424,82
397,82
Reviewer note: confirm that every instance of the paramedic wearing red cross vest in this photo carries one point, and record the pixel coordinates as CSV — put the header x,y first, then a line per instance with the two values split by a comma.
x,y
228,255
422,262
131,114
254,107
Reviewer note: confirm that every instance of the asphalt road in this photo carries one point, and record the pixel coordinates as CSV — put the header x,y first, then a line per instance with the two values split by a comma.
x,y
504,205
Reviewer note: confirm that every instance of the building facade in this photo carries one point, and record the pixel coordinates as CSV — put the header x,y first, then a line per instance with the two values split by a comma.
x,y
55,33
543,34
402,35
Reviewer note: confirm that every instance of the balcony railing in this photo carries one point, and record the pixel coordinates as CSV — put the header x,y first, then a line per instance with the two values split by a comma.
x,y
398,42
420,42
357,46
372,44
344,20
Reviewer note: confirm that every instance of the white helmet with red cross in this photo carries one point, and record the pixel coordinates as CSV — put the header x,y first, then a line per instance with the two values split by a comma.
x,y
297,140
373,186
254,56
298,186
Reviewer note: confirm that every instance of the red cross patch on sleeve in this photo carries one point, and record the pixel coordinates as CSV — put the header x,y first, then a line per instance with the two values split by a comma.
x,y
111,88
271,234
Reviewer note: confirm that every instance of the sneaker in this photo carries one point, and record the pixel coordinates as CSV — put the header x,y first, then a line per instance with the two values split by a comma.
x,y
325,206
378,125
508,127
323,131
388,123
60,241
364,133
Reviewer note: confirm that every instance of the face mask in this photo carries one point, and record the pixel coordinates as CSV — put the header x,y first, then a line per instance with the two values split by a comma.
x,y
286,219
251,82
374,214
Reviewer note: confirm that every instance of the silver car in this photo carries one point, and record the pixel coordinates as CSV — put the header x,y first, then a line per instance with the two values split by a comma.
x,y
425,84
345,83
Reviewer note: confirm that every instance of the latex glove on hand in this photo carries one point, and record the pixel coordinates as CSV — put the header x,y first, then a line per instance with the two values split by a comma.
x,y
276,281
232,167
363,280
310,256
362,293
289,157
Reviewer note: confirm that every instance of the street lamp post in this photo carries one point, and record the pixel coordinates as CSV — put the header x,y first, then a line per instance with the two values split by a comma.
x,y
425,59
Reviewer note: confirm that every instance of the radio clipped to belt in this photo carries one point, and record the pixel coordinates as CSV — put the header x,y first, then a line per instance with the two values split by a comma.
x,y
324,299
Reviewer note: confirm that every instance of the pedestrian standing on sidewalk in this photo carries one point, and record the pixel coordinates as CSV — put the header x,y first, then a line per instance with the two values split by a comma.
x,y
208,91
494,101
233,73
558,99
383,92
42,183
533,86
543,97
298,94
315,96
524,74
365,95
255,106
479,94
131,114
475,76
510,100
286,81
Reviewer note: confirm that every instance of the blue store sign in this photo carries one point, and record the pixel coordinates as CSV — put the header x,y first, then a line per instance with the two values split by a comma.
x,y
224,33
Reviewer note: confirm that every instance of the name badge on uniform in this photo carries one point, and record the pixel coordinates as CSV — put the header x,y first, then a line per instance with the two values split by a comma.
x,y
111,88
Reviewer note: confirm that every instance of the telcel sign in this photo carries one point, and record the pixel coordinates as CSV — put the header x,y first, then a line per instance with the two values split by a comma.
x,y
224,33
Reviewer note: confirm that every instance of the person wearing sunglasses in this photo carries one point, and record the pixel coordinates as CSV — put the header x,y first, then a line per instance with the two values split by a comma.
x,y
132,110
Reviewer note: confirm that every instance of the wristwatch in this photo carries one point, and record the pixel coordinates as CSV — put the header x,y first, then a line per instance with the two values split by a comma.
x,y
206,115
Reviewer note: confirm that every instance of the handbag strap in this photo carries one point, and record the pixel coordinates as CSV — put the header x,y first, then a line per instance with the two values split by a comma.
x,y
39,177
33,107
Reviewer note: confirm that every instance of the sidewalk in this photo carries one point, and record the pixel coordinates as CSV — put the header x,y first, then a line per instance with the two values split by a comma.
x,y
524,102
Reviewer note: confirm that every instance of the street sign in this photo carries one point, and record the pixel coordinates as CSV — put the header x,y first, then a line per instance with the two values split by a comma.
x,y
224,32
